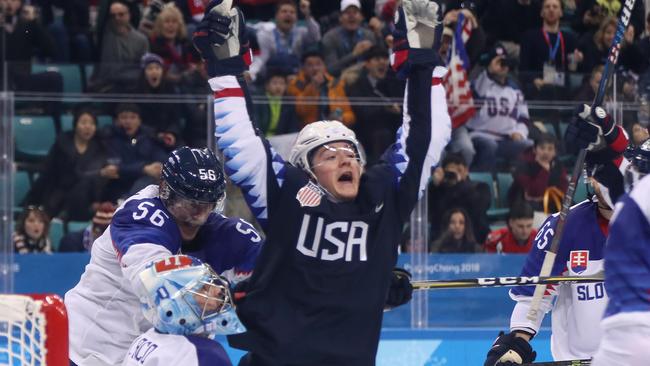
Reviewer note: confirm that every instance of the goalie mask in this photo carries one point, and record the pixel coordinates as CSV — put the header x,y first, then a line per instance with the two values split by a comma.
x,y
185,296
193,185
318,134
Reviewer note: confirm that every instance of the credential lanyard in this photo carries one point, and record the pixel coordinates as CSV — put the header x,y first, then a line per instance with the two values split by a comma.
x,y
279,45
552,51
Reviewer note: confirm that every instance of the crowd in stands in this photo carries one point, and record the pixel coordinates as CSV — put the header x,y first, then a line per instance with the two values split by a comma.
x,y
317,60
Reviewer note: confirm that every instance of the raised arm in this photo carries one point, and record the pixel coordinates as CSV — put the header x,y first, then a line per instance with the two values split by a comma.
x,y
250,161
426,126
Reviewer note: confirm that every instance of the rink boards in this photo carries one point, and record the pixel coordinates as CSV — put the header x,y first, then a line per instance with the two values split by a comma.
x,y
461,323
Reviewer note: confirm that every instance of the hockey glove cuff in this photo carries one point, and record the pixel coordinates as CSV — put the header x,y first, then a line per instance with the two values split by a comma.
x,y
401,290
417,30
508,349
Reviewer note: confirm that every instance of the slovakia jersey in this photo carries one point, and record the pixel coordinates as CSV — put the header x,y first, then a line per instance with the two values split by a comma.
x,y
104,308
157,349
627,256
504,110
577,307
320,284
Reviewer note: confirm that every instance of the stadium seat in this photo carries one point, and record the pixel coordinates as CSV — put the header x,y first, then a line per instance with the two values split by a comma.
x,y
550,128
494,211
71,75
66,122
504,181
34,135
77,226
104,120
581,191
56,233
563,127
21,186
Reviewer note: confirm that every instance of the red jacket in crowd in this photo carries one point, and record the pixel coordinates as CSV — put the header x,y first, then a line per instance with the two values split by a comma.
x,y
502,241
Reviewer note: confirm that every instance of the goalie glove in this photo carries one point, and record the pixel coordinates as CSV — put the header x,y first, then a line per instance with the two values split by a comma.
x,y
510,350
400,290
588,128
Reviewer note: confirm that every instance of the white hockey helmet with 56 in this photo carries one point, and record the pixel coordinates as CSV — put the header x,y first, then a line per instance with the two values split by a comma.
x,y
317,134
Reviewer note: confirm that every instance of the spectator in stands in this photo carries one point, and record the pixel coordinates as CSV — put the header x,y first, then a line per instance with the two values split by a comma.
x,y
475,44
70,182
587,91
547,54
73,35
518,236
195,114
31,234
163,118
596,48
499,129
451,187
505,21
639,133
22,39
275,116
283,39
591,13
376,125
458,236
537,170
345,44
135,155
121,49
169,41
319,96
82,241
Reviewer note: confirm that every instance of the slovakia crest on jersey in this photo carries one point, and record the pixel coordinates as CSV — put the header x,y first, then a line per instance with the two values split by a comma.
x,y
309,195
578,260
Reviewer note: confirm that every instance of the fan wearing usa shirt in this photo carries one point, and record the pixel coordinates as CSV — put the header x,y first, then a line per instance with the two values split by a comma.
x,y
576,308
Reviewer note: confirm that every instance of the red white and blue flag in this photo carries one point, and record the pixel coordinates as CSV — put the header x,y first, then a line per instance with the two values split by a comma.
x,y
578,259
457,85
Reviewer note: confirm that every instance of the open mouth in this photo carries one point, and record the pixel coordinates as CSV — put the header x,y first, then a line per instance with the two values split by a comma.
x,y
345,177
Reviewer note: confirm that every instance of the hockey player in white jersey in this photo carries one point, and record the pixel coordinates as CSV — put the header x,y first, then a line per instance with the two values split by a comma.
x,y
576,308
626,325
188,305
181,215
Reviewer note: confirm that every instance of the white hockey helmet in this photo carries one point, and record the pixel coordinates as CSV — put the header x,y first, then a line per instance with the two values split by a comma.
x,y
320,133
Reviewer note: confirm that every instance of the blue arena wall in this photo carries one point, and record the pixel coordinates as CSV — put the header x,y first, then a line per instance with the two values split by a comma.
x,y
462,323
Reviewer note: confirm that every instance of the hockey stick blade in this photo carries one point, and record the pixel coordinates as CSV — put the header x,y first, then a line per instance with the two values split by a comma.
x,y
503,282
561,363
549,258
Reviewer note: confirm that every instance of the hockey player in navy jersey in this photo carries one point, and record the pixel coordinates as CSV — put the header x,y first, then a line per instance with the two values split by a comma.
x,y
188,305
181,215
576,308
626,325
332,226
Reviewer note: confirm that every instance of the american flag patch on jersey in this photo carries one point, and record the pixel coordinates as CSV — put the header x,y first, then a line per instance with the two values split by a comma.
x,y
578,260
309,195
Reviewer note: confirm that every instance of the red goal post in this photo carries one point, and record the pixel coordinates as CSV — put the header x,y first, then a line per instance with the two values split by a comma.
x,y
33,330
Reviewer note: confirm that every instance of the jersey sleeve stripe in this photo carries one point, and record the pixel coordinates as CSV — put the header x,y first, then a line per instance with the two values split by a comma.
x,y
247,160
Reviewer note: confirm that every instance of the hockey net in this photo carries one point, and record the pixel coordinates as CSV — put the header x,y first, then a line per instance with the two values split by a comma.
x,y
33,330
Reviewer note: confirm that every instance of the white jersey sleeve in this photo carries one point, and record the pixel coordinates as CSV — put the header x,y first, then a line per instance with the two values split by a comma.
x,y
104,307
157,349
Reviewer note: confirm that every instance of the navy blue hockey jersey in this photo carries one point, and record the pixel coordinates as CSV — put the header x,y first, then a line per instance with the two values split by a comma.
x,y
320,284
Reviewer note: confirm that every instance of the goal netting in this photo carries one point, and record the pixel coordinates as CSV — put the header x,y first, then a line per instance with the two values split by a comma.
x,y
33,330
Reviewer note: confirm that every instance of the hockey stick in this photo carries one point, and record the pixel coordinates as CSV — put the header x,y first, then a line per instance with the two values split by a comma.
x,y
561,363
551,253
502,281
